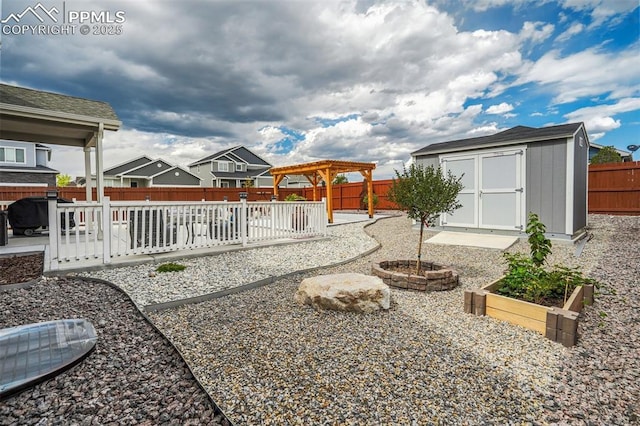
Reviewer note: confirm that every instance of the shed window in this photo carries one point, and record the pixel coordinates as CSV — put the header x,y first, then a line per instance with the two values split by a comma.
x,y
12,155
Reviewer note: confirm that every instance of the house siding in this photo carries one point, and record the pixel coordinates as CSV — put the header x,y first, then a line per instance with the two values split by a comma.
x,y
169,178
29,154
546,183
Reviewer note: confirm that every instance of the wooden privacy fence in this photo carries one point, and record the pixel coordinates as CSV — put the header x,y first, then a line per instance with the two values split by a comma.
x,y
615,188
349,196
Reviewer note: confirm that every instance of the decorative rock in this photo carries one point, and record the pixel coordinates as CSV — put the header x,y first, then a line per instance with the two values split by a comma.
x,y
344,292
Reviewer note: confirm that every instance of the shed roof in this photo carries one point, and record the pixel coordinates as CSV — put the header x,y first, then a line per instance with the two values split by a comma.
x,y
515,135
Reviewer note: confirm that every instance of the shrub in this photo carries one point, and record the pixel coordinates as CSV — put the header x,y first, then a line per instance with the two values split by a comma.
x,y
365,200
526,279
170,267
294,197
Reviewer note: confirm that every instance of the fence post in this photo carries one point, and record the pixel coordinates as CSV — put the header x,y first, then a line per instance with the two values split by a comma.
x,y
325,217
107,229
52,202
243,218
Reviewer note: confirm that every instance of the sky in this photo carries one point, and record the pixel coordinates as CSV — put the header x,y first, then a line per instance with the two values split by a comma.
x,y
298,81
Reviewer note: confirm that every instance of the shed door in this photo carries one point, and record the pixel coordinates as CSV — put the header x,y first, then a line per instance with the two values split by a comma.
x,y
465,166
501,190
493,194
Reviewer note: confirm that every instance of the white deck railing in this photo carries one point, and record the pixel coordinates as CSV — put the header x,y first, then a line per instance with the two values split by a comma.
x,y
80,232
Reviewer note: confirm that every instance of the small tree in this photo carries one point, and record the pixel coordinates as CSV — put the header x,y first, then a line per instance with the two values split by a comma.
x,y
607,154
63,180
425,193
340,179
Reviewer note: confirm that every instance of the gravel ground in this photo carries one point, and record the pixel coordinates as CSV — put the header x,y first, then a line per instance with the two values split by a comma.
x,y
134,377
211,274
266,360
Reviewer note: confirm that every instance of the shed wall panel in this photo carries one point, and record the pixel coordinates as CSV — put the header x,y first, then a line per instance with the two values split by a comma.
x,y
426,161
580,184
545,180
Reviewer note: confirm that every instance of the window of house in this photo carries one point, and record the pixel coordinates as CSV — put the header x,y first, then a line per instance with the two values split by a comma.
x,y
224,184
134,184
12,155
223,166
238,167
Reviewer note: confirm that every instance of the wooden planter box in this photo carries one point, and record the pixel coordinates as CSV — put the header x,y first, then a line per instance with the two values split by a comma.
x,y
557,324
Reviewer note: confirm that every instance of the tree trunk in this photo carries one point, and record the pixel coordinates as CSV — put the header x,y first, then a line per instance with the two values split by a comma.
x,y
419,263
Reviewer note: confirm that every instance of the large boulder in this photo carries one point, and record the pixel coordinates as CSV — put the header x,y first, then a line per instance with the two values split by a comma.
x,y
344,292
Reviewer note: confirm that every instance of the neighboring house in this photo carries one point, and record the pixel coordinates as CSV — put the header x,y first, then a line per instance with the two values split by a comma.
x,y
514,172
595,148
145,172
232,168
25,164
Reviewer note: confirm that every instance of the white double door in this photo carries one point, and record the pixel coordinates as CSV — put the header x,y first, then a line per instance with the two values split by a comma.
x,y
493,196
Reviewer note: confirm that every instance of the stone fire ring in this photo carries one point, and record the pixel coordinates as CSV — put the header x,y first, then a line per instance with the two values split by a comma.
x,y
436,277
344,292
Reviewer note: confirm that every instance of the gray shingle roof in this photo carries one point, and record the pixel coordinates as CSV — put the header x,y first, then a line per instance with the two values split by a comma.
x,y
39,169
510,136
31,98
239,151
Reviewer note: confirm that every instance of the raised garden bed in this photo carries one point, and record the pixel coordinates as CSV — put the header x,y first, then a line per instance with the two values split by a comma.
x,y
401,274
555,323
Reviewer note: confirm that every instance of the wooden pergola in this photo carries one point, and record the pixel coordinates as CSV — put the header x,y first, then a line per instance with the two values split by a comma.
x,y
326,170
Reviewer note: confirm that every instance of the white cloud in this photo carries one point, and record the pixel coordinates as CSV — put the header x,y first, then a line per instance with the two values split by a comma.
x,y
536,31
574,29
585,74
600,118
499,109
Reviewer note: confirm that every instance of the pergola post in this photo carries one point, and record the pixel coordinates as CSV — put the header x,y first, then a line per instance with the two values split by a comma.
x,y
368,175
276,181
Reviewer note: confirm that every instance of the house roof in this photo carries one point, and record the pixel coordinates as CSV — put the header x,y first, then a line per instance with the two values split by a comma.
x,y
149,169
30,115
242,153
31,98
36,169
515,135
129,165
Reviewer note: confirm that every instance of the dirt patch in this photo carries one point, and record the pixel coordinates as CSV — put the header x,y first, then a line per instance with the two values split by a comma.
x,y
21,268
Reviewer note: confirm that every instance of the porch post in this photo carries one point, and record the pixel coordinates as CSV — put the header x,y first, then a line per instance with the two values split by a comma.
x,y
52,205
99,164
87,174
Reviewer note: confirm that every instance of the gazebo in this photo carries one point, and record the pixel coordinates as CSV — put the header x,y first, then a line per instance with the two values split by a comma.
x,y
35,116
326,170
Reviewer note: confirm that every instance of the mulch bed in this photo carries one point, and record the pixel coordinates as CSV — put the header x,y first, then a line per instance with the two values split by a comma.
x,y
21,268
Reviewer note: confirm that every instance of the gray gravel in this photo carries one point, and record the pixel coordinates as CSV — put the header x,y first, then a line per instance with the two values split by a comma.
x,y
134,376
266,360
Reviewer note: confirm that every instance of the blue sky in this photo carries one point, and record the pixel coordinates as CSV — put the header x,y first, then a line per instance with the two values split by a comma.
x,y
300,81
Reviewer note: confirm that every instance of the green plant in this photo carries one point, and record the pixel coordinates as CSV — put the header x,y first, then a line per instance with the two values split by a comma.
x,y
528,280
425,193
339,179
63,180
607,154
170,267
294,197
539,244
365,200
